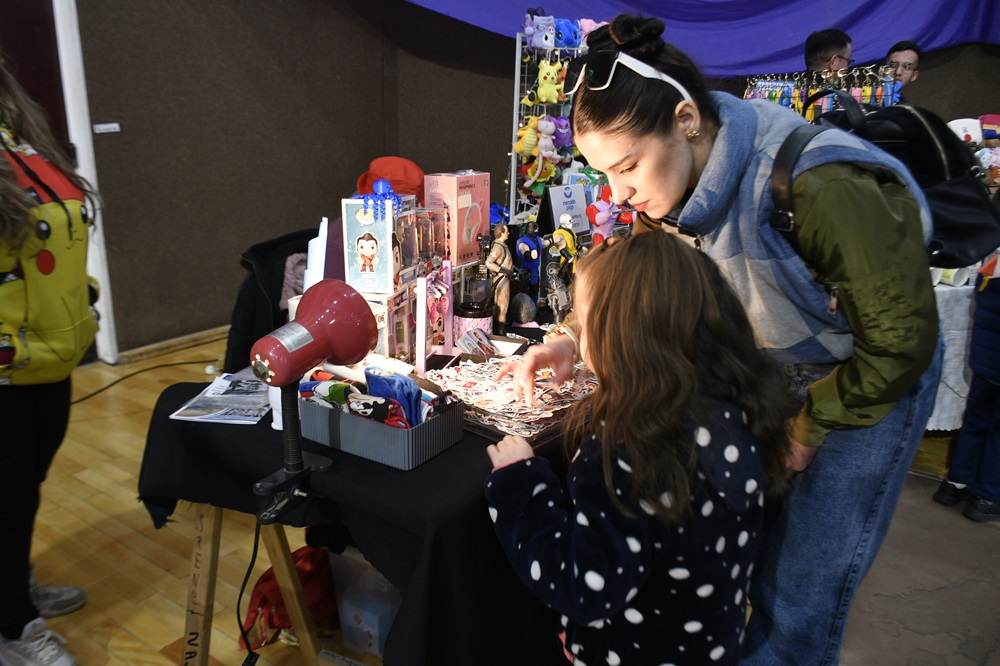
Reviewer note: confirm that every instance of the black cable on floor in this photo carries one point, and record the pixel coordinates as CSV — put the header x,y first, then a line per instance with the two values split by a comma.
x,y
251,655
133,374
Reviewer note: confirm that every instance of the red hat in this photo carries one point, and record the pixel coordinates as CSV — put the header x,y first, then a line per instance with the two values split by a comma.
x,y
404,176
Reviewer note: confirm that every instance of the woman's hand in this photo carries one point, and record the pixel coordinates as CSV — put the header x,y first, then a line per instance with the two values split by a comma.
x,y
508,450
556,355
799,457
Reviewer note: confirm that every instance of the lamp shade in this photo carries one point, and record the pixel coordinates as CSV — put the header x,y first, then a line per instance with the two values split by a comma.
x,y
333,323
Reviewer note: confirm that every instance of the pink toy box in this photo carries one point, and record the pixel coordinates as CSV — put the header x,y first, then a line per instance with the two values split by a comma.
x,y
374,237
466,197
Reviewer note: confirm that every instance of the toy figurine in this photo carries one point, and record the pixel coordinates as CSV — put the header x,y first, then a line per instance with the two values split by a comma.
x,y
603,214
530,249
527,138
558,295
549,87
565,239
501,265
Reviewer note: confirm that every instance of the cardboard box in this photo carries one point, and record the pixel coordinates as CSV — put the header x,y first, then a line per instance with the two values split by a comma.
x,y
373,237
466,197
402,449
432,233
393,315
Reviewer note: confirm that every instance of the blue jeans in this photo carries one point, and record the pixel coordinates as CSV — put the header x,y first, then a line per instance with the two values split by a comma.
x,y
826,532
976,460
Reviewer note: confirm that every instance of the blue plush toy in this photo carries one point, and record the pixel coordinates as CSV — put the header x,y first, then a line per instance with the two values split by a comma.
x,y
568,35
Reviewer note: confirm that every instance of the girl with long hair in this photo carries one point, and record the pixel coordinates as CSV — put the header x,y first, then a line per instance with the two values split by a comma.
x,y
647,552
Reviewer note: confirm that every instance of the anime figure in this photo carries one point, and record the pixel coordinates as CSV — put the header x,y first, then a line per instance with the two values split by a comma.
x,y
549,87
530,249
564,238
603,214
527,138
567,33
501,265
367,248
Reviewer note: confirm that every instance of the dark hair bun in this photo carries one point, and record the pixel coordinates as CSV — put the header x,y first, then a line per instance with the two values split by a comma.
x,y
637,35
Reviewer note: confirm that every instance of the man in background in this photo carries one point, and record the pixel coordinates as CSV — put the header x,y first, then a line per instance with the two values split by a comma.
x,y
902,61
828,51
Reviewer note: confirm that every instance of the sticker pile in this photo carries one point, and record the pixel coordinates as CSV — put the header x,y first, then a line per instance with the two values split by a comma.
x,y
493,403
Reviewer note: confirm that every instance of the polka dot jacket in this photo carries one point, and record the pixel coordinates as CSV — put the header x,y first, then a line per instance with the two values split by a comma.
x,y
638,590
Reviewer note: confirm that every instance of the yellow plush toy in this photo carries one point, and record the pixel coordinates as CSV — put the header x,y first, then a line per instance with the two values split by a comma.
x,y
527,138
549,85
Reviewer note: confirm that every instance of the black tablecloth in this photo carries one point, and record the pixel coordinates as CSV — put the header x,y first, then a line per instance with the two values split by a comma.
x,y
427,530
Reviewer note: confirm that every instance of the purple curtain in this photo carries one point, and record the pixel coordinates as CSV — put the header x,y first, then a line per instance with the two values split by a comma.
x,y
739,37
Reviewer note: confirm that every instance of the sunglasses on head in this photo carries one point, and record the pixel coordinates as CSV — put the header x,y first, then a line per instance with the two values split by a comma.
x,y
596,70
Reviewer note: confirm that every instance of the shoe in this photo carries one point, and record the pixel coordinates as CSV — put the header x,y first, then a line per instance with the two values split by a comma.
x,y
55,600
950,495
981,510
38,646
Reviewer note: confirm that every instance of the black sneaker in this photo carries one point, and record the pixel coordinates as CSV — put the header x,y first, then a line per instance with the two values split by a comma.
x,y
981,510
949,494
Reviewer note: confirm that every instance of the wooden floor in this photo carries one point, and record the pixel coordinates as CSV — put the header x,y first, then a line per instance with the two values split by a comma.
x,y
92,531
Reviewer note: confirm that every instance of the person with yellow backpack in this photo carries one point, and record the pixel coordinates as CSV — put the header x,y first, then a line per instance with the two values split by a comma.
x,y
46,326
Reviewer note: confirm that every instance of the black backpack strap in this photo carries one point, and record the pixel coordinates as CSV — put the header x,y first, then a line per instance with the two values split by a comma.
x,y
852,108
783,217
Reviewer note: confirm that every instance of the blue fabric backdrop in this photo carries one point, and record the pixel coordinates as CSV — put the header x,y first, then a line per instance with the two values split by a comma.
x,y
737,37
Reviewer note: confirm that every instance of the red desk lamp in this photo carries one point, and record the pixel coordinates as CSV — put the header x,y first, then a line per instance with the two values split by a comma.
x,y
333,323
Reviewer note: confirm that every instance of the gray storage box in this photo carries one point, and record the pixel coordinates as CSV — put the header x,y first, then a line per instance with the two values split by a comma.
x,y
396,447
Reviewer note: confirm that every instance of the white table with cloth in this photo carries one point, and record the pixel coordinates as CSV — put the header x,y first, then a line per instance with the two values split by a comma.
x,y
955,306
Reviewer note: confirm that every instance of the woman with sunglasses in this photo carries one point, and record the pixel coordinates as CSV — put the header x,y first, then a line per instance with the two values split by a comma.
x,y
844,300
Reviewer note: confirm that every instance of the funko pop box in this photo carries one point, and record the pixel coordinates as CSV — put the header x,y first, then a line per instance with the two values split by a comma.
x,y
466,197
370,237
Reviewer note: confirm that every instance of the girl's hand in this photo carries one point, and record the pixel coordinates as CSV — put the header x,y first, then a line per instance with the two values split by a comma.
x,y
508,450
556,355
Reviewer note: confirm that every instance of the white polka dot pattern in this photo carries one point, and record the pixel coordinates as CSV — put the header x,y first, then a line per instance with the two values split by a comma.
x,y
652,591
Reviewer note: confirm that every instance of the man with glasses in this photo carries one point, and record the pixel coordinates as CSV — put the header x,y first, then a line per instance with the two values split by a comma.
x,y
902,61
828,51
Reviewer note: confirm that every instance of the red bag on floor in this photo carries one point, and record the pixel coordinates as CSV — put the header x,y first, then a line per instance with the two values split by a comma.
x,y
267,608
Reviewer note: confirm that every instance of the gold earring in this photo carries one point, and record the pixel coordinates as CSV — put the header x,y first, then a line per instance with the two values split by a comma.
x,y
693,134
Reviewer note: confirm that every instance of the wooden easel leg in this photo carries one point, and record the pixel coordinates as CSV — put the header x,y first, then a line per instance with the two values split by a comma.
x,y
201,591
291,591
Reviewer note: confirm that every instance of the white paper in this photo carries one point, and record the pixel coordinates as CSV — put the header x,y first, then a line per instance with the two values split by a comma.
x,y
238,398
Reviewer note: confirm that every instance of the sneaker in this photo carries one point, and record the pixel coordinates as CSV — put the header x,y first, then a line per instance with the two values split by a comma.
x,y
55,600
38,646
949,494
981,510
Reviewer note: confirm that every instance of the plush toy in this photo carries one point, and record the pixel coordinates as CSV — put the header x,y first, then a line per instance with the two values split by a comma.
x,y
529,23
543,32
527,138
548,82
603,214
536,174
563,137
546,134
589,25
567,33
